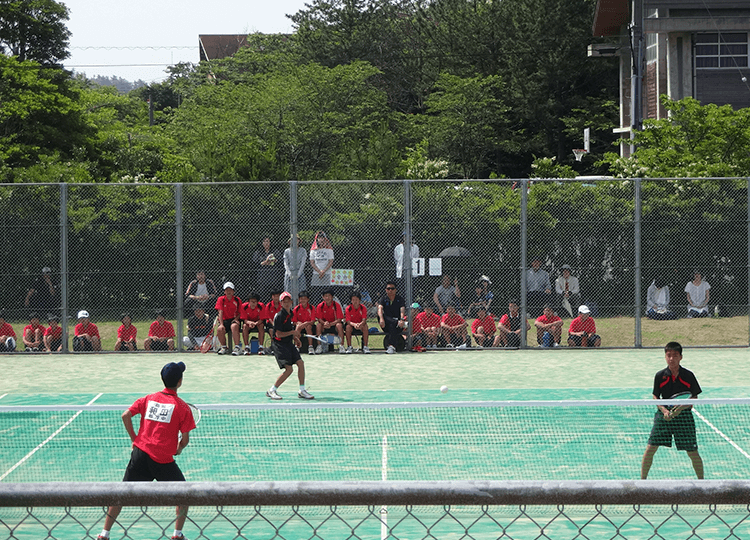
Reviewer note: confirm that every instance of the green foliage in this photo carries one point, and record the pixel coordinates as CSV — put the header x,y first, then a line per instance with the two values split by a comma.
x,y
549,168
34,30
694,140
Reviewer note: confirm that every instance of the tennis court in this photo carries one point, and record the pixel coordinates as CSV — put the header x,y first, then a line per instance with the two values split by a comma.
x,y
377,417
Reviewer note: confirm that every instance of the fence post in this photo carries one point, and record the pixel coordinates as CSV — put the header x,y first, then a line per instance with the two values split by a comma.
x,y
747,311
179,262
524,239
407,264
638,341
64,265
293,228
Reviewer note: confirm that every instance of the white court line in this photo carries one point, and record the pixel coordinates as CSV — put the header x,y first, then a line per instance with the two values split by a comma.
x,y
721,434
1,397
48,439
384,477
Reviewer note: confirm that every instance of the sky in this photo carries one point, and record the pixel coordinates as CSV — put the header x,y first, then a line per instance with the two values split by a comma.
x,y
138,39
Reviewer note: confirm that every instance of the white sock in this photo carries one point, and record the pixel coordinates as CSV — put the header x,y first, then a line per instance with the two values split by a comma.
x,y
273,388
104,533
177,532
301,387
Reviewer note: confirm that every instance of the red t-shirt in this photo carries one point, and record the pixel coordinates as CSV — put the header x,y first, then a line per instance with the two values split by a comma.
x,y
303,314
163,417
271,310
327,313
7,330
32,328
55,332
488,324
577,325
544,320
91,330
161,330
356,315
127,334
229,308
252,314
427,321
452,320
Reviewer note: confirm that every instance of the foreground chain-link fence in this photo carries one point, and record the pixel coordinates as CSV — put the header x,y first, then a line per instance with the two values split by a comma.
x,y
386,510
627,249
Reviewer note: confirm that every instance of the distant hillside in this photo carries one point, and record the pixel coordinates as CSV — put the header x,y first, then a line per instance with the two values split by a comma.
x,y
122,85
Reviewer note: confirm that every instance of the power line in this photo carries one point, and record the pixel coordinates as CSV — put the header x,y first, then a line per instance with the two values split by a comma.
x,y
134,48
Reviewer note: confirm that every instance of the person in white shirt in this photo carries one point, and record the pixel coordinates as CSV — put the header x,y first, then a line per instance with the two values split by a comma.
x,y
568,291
657,301
321,261
697,296
398,256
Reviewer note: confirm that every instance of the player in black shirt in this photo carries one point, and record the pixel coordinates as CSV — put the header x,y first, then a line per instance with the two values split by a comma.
x,y
675,421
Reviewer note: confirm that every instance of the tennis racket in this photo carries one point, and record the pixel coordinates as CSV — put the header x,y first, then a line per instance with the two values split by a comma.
x,y
328,339
676,408
196,418
208,341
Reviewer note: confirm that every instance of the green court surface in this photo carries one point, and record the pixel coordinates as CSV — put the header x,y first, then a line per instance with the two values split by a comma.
x,y
374,417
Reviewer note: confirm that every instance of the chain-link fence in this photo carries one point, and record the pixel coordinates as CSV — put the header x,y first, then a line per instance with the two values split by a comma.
x,y
386,510
648,258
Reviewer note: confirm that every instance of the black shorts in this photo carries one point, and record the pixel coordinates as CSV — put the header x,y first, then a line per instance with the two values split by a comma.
x,y
286,354
682,428
227,323
54,344
142,468
82,344
159,345
590,343
124,347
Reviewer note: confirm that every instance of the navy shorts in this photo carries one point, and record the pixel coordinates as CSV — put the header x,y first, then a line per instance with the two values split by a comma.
x,y
682,428
142,468
286,354
159,345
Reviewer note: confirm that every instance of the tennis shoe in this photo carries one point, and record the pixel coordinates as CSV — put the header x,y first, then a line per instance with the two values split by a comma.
x,y
349,350
366,349
247,351
179,537
556,344
342,349
273,394
462,346
319,349
261,350
390,350
236,351
311,350
223,350
304,394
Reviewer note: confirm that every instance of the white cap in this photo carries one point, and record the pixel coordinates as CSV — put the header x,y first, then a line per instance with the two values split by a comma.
x,y
46,270
83,314
485,278
228,284
583,309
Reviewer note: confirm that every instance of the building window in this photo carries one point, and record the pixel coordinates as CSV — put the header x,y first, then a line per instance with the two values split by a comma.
x,y
719,50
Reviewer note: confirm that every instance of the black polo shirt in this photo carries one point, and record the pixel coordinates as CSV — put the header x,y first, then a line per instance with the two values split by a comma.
x,y
282,322
392,310
666,386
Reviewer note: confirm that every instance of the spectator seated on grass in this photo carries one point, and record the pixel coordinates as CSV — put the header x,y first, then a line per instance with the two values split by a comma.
x,y
160,334
86,336
697,296
657,301
548,328
582,331
484,330
126,334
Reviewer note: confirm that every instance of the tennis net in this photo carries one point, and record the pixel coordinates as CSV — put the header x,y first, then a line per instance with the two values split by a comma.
x,y
308,441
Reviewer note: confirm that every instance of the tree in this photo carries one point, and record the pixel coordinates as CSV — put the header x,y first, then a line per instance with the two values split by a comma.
x,y
34,30
694,140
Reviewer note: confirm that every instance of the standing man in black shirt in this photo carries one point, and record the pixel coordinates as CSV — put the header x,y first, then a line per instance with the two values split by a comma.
x,y
676,421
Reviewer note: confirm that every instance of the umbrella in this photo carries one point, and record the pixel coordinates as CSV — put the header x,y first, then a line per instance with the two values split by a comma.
x,y
455,251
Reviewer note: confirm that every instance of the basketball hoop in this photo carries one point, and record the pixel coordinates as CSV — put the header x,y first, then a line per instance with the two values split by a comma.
x,y
579,153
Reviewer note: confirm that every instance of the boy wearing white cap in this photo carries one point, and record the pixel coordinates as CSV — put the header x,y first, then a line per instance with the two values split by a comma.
x,y
86,334
286,340
582,331
228,308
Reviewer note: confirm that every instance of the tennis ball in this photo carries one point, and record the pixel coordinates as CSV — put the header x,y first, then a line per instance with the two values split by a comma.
x,y
443,389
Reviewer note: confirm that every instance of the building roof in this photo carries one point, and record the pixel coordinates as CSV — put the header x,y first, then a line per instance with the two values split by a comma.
x,y
216,46
610,16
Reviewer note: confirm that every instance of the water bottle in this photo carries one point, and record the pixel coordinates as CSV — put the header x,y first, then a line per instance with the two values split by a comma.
x,y
547,339
716,310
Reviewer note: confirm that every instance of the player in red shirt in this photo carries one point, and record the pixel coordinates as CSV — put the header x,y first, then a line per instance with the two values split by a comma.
x,y
160,334
7,335
33,334
253,320
229,307
356,323
53,334
454,328
582,331
303,315
509,326
483,328
548,324
86,334
330,320
164,416
429,323
126,334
